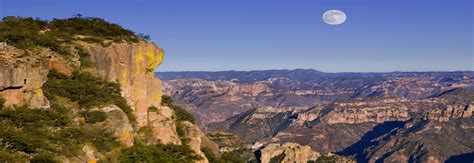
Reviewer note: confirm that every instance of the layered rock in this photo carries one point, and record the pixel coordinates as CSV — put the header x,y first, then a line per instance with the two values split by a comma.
x,y
295,153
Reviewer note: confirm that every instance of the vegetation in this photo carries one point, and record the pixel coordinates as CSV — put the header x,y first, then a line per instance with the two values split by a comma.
x,y
84,58
181,114
227,157
158,153
57,34
94,116
325,159
2,102
41,132
95,27
278,159
87,90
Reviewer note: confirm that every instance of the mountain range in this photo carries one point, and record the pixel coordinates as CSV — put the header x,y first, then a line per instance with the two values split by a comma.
x,y
371,117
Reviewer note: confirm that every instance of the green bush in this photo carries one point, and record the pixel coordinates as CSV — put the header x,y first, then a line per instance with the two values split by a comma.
x,y
89,91
152,109
90,26
33,131
158,153
227,157
58,34
277,159
181,114
44,157
94,116
85,58
2,102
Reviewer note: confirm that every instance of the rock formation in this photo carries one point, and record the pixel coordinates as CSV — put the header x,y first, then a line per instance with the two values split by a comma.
x,y
292,152
131,65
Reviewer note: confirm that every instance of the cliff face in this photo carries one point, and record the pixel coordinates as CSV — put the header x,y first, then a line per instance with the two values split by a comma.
x,y
132,66
22,77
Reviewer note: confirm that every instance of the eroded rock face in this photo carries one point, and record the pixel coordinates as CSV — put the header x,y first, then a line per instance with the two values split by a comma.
x,y
291,152
22,76
163,126
194,136
119,124
132,66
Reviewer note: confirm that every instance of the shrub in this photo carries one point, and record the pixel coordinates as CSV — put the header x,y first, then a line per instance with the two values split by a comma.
x,y
57,34
227,157
277,159
181,114
85,58
152,109
94,116
33,131
166,100
158,153
2,102
44,157
89,91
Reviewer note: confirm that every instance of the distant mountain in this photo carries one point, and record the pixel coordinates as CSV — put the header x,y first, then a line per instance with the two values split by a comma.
x,y
361,115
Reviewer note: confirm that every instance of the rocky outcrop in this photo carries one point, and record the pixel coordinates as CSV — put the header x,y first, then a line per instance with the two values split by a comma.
x,y
22,76
118,122
291,152
295,153
132,66
194,138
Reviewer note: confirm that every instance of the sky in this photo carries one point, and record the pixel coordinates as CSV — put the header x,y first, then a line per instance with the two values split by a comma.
x,y
216,35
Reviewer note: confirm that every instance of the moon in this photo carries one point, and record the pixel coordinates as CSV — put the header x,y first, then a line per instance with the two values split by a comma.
x,y
334,17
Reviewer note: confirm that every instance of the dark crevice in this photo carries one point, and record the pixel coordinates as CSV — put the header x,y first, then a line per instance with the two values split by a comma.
x,y
11,87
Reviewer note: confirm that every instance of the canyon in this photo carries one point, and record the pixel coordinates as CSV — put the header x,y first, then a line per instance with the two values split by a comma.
x,y
369,117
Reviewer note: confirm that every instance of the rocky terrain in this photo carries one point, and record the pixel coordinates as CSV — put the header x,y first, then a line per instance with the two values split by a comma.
x,y
104,89
370,117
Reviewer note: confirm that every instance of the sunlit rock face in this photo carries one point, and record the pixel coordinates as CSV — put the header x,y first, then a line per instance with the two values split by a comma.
x,y
132,66
22,75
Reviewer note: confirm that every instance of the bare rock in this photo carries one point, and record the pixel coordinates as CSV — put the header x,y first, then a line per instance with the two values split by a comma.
x,y
118,122
292,153
194,137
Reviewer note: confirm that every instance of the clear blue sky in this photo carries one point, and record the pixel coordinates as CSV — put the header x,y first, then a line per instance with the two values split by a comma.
x,y
379,35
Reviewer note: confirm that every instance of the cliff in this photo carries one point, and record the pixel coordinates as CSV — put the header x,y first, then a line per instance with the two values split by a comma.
x,y
107,85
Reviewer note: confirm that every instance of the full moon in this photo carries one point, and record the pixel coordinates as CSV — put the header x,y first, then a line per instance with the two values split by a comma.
x,y
334,17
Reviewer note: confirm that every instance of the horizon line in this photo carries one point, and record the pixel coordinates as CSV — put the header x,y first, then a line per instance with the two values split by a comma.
x,y
414,71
